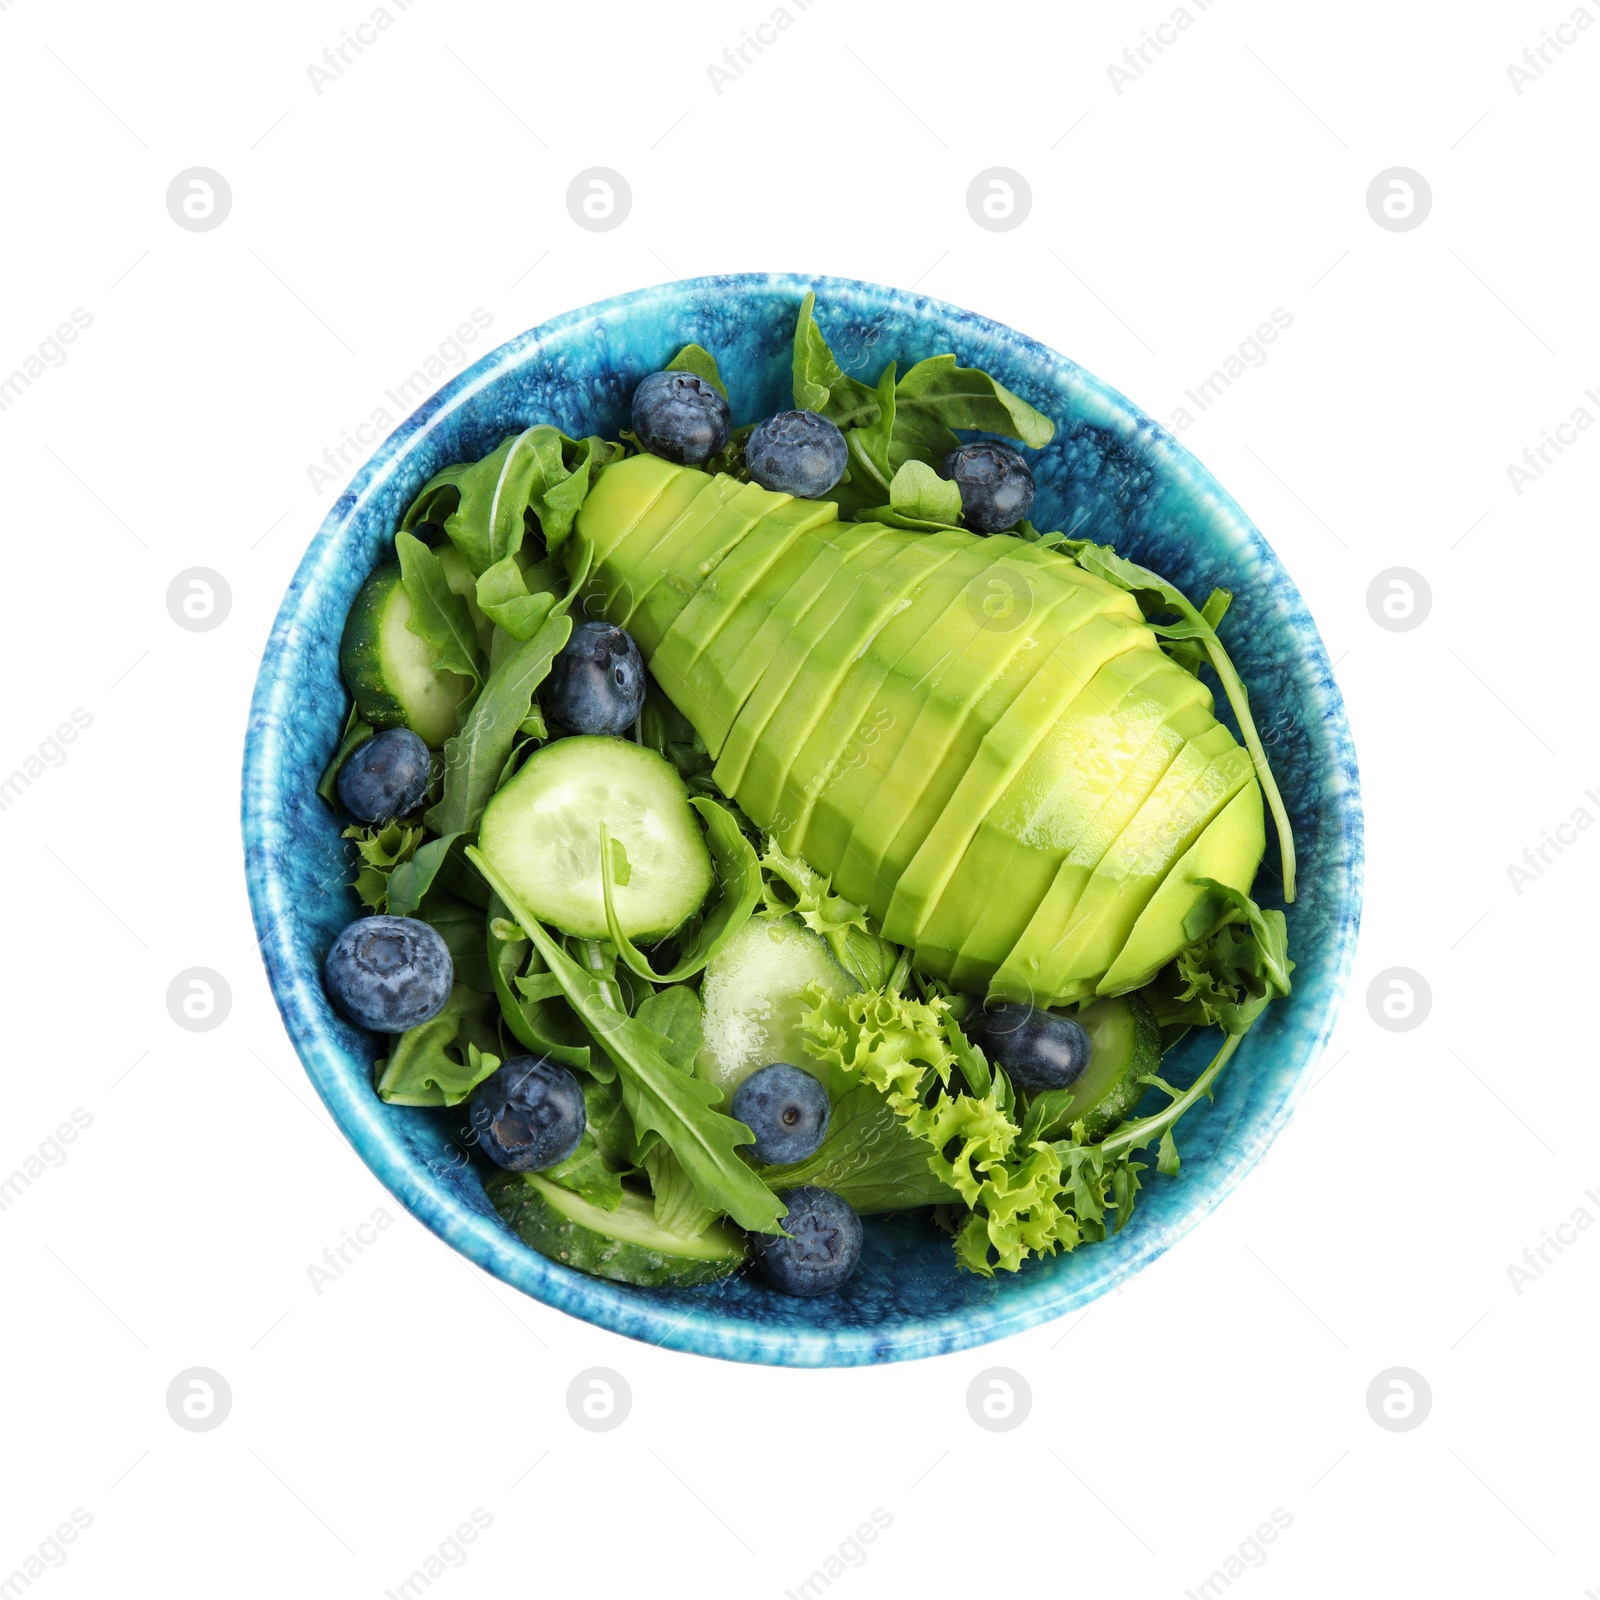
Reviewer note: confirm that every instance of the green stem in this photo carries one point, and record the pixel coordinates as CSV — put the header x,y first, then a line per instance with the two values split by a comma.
x,y
592,957
1136,1135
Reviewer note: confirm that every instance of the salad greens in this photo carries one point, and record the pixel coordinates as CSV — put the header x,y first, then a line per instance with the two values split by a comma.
x,y
925,1119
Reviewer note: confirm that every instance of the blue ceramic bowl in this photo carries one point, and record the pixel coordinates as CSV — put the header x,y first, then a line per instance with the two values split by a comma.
x,y
1110,473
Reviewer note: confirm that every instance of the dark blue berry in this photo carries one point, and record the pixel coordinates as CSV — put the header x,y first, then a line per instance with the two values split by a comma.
x,y
597,681
1038,1049
786,1109
996,485
385,778
822,1246
796,452
528,1114
389,973
680,417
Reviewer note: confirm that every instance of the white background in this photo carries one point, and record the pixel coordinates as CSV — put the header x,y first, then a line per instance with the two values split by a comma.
x,y
1168,220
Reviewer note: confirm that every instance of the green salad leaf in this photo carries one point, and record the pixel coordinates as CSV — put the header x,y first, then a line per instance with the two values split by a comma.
x,y
475,758
1157,595
356,732
660,1097
936,396
738,875
920,500
1236,965
412,878
381,849
694,358
440,1062
794,886
532,1004
439,616
820,384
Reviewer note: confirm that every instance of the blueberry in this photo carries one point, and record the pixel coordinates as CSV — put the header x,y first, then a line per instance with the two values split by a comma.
x,y
597,681
786,1109
1038,1049
385,778
822,1247
528,1114
796,452
389,973
996,485
680,417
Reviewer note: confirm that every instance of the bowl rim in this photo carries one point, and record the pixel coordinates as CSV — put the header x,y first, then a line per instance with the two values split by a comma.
x,y
704,1328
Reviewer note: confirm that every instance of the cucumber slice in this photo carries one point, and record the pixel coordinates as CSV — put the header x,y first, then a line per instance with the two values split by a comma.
x,y
541,832
625,1245
1125,1044
390,669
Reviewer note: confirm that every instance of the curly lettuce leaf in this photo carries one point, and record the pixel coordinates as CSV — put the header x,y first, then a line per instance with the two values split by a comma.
x,y
1236,966
792,886
380,850
659,1096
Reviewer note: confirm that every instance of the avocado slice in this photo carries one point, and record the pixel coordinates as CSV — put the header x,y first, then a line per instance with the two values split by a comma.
x,y
1010,740
917,763
790,762
796,621
1208,773
856,740
1080,786
689,554
1229,851
631,504
730,594
735,663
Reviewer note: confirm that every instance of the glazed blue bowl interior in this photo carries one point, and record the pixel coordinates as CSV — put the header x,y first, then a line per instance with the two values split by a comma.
x,y
1111,474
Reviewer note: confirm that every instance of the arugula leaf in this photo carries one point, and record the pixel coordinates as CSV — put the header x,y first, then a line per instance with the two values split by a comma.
x,y
820,384
658,1095
920,500
411,879
867,957
738,875
1237,964
535,1011
869,1157
1154,593
356,732
439,616
538,470
476,756
381,849
1187,651
871,471
936,396
505,597
693,358
587,1173
440,1062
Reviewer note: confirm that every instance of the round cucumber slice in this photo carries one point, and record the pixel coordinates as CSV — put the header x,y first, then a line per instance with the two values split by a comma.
x,y
751,1002
625,1245
390,669
1125,1045
542,833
